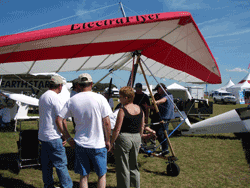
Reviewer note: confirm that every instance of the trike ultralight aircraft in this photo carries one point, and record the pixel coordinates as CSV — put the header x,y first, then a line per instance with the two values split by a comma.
x,y
169,45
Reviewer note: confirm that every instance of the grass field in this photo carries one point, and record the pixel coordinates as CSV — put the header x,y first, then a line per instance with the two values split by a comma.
x,y
217,160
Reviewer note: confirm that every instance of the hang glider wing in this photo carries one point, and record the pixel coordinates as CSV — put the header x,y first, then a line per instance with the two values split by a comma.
x,y
170,43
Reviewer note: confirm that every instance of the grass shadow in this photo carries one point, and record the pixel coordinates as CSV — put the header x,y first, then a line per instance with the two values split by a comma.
x,y
244,137
212,137
10,128
9,162
155,172
9,182
245,141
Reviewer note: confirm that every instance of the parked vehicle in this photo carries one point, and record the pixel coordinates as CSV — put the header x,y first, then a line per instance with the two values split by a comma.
x,y
224,97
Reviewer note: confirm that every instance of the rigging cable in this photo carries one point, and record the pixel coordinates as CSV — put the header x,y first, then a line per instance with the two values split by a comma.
x,y
67,18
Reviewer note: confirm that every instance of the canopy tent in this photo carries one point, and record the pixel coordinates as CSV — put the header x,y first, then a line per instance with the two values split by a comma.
x,y
238,89
179,92
170,44
227,85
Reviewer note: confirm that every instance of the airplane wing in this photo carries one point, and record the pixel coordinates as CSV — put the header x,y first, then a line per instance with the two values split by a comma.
x,y
21,98
171,45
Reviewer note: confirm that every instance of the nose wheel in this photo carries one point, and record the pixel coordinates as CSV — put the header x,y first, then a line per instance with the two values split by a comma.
x,y
173,169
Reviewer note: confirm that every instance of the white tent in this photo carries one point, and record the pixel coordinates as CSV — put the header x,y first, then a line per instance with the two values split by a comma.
x,y
227,85
179,91
238,89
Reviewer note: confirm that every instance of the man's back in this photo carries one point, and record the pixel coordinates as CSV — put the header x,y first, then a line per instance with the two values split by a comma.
x,y
88,109
49,107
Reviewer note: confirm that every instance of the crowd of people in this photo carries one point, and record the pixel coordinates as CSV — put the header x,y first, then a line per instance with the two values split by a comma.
x,y
93,122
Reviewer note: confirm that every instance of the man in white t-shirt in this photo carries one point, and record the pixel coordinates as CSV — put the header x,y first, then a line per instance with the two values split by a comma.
x,y
53,151
92,139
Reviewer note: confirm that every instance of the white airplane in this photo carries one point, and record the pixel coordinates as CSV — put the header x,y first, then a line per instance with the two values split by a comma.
x,y
233,121
25,90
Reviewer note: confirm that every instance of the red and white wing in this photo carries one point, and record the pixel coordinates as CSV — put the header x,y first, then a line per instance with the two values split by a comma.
x,y
170,43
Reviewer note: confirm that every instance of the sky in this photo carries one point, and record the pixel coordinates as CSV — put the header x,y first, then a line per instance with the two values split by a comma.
x,y
225,25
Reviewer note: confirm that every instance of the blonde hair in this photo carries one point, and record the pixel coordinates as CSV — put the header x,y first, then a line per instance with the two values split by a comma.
x,y
128,92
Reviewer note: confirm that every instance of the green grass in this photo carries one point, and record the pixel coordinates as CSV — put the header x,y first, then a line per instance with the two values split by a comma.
x,y
215,160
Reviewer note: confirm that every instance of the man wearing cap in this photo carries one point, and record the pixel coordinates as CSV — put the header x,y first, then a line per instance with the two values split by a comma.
x,y
92,139
53,152
166,112
142,100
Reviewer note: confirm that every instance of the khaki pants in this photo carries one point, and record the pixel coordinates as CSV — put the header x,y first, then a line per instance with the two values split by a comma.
x,y
126,152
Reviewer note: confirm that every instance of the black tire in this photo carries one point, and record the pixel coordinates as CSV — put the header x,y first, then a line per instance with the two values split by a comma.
x,y
173,169
215,101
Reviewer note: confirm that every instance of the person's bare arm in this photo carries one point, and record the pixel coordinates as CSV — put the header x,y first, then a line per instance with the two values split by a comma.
x,y
146,112
107,131
142,125
118,126
62,126
161,101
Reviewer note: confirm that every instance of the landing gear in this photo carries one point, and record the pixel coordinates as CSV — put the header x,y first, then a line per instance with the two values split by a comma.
x,y
173,169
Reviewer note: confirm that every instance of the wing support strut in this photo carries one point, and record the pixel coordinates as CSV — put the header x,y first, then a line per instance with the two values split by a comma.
x,y
156,107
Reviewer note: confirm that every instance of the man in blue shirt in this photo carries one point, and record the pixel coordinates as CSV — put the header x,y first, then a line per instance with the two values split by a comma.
x,y
166,112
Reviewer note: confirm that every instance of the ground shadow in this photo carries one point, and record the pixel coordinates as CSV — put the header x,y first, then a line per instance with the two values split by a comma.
x,y
208,136
244,137
155,172
10,183
245,141
9,162
10,128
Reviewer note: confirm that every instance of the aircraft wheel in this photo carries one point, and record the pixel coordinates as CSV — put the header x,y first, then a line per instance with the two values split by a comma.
x,y
215,101
173,169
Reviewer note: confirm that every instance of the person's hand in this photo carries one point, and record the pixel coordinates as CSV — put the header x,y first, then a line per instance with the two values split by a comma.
x,y
108,146
64,142
153,134
72,143
112,148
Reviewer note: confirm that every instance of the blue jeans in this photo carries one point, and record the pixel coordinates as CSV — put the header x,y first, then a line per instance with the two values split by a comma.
x,y
53,154
159,129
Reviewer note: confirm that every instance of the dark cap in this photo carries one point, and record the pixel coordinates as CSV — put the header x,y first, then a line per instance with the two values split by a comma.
x,y
138,85
158,85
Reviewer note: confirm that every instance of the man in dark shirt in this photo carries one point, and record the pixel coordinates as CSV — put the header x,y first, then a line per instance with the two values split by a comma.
x,y
166,112
142,100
